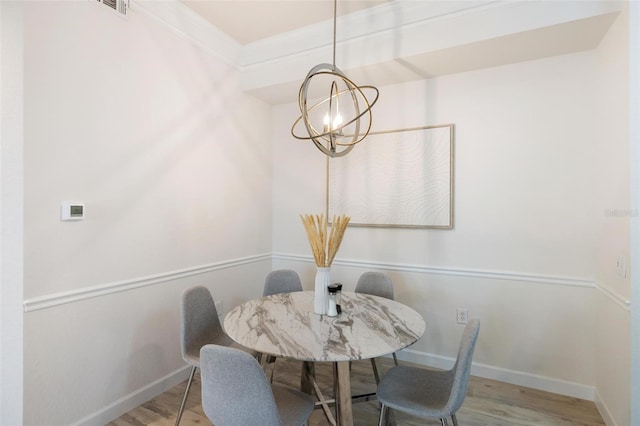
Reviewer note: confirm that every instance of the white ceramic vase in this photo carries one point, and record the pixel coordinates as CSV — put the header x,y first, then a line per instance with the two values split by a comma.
x,y
321,296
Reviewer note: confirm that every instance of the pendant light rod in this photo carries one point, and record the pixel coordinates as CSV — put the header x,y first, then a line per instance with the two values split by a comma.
x,y
335,17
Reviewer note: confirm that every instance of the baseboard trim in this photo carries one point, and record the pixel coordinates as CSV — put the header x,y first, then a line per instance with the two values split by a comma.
x,y
56,299
576,390
604,411
463,272
135,399
519,378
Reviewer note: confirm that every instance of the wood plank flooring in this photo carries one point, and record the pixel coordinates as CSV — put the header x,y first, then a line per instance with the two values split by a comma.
x,y
488,402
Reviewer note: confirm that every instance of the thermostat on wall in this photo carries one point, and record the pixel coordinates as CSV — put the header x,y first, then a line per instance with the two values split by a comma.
x,y
71,211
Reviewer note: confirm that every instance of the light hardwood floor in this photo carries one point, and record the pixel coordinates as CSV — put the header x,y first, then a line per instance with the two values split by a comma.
x,y
488,402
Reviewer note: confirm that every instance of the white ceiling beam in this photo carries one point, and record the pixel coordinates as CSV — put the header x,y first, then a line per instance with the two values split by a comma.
x,y
425,44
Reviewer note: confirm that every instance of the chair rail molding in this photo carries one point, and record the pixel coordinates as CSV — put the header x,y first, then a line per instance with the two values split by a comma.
x,y
61,298
612,295
56,299
453,271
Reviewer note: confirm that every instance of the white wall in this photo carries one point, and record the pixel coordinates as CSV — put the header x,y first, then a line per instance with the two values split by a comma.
x,y
11,214
172,163
521,255
634,160
613,330
153,134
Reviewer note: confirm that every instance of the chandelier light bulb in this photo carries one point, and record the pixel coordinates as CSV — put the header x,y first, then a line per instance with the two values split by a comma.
x,y
337,121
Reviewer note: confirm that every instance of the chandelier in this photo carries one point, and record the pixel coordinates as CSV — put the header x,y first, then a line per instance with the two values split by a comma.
x,y
340,120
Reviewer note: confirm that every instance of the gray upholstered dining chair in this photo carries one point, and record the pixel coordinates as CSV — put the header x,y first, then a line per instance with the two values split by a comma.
x,y
430,393
281,281
377,284
235,392
199,326
276,282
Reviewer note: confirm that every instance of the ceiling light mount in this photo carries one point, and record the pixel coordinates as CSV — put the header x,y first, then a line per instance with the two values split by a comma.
x,y
337,122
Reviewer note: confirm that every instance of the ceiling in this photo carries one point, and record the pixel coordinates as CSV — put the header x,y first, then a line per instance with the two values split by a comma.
x,y
274,43
247,21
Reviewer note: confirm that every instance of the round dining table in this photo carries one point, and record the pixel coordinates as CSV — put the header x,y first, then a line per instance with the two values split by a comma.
x,y
285,325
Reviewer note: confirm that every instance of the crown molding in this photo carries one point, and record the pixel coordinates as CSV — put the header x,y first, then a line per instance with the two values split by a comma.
x,y
390,16
399,41
418,26
409,40
188,24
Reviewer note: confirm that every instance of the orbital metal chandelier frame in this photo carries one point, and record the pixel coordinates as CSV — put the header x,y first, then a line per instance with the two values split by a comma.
x,y
332,140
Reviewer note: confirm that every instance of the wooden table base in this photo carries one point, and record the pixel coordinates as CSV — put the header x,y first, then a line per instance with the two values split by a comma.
x,y
343,393
342,390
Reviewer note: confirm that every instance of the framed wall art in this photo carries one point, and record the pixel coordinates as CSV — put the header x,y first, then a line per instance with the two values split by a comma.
x,y
396,178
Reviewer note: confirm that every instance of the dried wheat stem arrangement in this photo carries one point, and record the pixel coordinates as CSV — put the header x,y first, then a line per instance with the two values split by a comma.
x,y
324,250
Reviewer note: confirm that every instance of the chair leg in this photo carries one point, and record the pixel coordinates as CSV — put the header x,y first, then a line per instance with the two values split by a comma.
x,y
273,369
186,392
443,421
455,420
383,415
395,359
375,370
269,361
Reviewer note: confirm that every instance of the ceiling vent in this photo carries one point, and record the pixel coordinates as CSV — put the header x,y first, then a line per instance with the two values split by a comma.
x,y
119,6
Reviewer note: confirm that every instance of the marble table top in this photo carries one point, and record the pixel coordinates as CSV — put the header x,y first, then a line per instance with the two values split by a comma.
x,y
285,325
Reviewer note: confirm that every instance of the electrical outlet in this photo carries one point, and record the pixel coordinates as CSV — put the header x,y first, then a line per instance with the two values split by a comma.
x,y
463,315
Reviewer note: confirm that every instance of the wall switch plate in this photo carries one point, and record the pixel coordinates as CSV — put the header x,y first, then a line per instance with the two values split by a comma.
x,y
621,267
